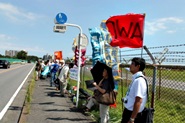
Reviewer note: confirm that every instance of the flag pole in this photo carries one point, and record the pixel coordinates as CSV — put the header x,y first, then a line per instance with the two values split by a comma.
x,y
143,36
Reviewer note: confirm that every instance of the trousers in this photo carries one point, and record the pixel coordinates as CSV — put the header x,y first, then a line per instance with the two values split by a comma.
x,y
63,86
104,113
127,114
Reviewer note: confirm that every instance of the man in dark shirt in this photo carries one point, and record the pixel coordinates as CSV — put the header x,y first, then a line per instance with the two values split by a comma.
x,y
54,69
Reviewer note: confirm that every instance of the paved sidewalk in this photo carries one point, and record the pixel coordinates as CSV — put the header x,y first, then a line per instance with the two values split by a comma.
x,y
48,106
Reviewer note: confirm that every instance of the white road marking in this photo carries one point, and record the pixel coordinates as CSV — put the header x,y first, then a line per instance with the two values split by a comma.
x,y
14,95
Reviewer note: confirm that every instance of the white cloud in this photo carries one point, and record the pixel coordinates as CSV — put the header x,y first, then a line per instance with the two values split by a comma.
x,y
31,50
15,14
4,37
171,31
162,24
8,43
172,19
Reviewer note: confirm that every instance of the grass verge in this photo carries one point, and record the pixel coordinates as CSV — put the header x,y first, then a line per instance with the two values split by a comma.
x,y
28,98
29,93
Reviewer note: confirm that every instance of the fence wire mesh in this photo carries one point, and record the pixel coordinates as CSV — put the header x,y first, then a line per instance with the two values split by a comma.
x,y
167,92
166,79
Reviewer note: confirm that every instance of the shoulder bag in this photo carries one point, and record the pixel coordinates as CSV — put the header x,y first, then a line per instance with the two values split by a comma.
x,y
108,98
148,112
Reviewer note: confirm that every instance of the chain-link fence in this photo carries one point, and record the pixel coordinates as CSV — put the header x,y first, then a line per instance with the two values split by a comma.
x,y
166,90
166,82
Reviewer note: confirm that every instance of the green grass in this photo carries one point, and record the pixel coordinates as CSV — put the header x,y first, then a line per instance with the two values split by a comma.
x,y
29,93
177,75
168,112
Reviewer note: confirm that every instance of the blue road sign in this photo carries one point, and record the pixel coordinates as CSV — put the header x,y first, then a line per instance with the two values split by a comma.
x,y
61,18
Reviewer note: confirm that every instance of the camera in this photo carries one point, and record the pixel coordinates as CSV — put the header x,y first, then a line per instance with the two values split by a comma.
x,y
124,100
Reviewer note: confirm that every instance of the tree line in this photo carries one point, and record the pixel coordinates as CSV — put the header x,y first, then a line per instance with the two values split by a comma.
x,y
22,55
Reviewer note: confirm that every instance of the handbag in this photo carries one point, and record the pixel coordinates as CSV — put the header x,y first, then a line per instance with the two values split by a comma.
x,y
108,98
147,115
148,112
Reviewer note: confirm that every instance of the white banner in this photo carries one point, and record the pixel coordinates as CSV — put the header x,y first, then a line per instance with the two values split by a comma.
x,y
73,73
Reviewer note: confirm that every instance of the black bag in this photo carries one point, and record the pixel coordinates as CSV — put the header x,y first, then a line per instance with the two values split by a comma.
x,y
147,115
108,98
56,81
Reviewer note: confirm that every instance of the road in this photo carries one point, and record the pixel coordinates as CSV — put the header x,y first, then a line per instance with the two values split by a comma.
x,y
11,81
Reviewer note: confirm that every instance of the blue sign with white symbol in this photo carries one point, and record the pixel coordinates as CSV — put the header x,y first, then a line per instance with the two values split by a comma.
x,y
61,18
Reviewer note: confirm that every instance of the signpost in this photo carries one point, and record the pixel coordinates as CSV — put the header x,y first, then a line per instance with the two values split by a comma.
x,y
59,28
61,19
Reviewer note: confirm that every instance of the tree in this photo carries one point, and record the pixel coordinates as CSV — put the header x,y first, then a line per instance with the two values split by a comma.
x,y
22,55
32,58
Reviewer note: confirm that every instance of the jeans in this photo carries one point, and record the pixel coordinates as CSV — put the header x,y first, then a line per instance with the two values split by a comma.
x,y
53,77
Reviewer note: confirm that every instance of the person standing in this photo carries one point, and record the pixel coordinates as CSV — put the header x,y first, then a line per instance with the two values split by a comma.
x,y
42,65
63,76
61,64
136,96
38,68
53,70
103,86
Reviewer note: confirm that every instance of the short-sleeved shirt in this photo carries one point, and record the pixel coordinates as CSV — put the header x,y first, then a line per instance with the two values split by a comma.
x,y
137,88
63,73
54,68
105,84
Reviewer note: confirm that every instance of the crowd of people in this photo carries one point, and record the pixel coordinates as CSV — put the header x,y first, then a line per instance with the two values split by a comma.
x,y
57,70
134,101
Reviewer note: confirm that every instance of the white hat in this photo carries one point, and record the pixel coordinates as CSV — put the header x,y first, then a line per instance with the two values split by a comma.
x,y
57,61
62,61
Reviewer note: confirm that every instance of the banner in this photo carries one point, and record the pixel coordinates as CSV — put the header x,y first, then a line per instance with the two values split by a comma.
x,y
73,73
103,52
58,55
111,53
126,30
83,51
97,45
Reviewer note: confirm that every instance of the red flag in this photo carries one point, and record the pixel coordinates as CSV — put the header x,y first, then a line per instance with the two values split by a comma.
x,y
126,30
58,55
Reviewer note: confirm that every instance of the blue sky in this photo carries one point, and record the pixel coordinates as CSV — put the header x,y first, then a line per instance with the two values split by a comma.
x,y
28,25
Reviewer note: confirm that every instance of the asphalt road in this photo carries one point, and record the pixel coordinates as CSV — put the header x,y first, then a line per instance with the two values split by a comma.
x,y
11,81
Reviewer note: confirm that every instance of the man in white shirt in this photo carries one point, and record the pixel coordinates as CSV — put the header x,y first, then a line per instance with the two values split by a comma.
x,y
136,96
63,76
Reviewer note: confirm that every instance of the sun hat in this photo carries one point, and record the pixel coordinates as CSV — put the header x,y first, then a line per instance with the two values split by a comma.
x,y
62,61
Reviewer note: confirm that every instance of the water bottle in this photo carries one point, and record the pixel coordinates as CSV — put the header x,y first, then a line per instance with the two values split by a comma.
x,y
74,99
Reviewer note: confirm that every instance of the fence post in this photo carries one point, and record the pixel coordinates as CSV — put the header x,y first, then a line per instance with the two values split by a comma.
x,y
154,76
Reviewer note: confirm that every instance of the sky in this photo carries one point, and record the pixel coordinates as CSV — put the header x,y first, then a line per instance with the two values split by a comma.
x,y
28,25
